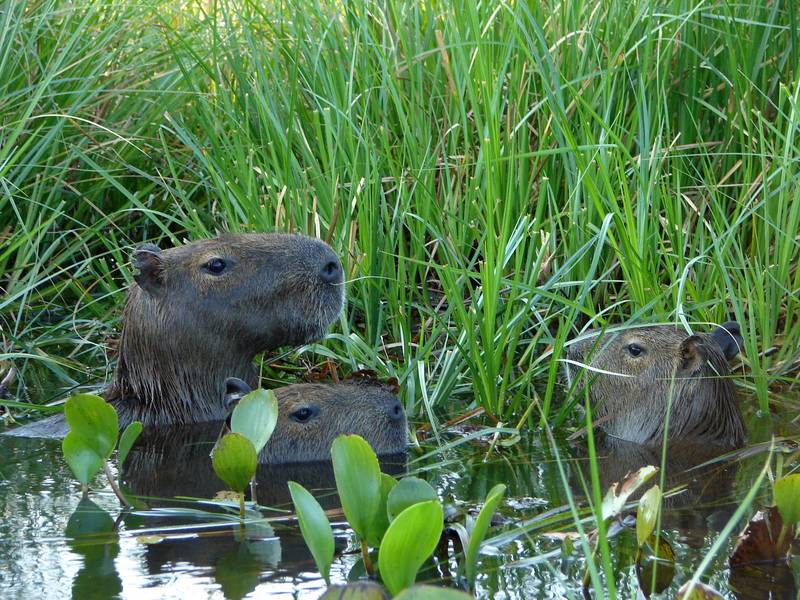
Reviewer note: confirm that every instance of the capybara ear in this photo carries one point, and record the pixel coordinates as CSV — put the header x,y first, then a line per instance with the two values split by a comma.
x,y
147,259
729,338
692,355
235,389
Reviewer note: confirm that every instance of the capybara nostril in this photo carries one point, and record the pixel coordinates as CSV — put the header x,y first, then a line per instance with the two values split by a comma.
x,y
395,410
235,390
331,272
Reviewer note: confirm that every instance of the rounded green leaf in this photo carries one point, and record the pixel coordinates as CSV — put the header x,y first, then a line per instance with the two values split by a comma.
x,y
647,513
81,457
431,592
126,440
408,492
360,590
93,420
234,460
255,417
787,498
358,481
315,527
479,531
410,540
381,521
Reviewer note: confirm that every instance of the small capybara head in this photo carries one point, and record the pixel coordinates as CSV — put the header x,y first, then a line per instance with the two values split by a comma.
x,y
201,312
312,415
635,374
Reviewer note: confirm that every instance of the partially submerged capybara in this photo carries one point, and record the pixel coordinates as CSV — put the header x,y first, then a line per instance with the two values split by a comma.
x,y
312,415
633,374
199,313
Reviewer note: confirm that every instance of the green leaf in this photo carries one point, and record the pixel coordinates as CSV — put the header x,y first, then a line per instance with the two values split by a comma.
x,y
93,420
126,440
360,590
787,498
647,513
255,417
81,458
479,531
315,527
358,481
381,521
408,492
234,460
431,592
410,539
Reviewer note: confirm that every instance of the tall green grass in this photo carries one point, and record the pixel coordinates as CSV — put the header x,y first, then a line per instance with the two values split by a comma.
x,y
494,176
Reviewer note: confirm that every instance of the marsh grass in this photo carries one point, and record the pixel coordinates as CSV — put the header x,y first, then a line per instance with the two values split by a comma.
x,y
494,176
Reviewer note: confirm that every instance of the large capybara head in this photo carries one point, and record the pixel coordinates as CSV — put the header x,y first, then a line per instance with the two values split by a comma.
x,y
200,312
257,290
635,374
312,415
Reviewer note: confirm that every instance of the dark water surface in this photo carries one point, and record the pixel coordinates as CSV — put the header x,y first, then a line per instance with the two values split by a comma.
x,y
55,545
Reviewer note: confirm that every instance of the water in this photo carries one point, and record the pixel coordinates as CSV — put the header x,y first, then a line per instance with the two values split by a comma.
x,y
56,545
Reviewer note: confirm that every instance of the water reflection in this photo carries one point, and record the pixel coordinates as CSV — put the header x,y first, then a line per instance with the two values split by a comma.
x,y
174,462
702,500
91,533
55,541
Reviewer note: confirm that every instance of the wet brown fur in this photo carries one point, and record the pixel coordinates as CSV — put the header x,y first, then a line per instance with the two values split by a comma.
x,y
186,330
692,371
369,410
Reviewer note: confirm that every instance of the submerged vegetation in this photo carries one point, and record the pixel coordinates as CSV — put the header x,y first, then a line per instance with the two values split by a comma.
x,y
494,176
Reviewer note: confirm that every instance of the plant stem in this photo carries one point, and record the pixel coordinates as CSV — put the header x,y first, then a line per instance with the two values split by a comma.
x,y
112,482
781,538
253,487
365,557
241,505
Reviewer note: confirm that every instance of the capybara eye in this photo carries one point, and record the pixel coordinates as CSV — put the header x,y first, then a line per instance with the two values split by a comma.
x,y
634,349
216,266
301,415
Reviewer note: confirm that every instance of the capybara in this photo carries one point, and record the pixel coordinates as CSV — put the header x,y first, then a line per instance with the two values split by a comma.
x,y
635,373
312,415
199,313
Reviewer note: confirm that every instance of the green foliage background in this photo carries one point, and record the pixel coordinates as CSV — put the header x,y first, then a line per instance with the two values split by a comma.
x,y
494,175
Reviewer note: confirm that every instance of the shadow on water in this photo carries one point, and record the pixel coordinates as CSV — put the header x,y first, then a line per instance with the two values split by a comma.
x,y
174,545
